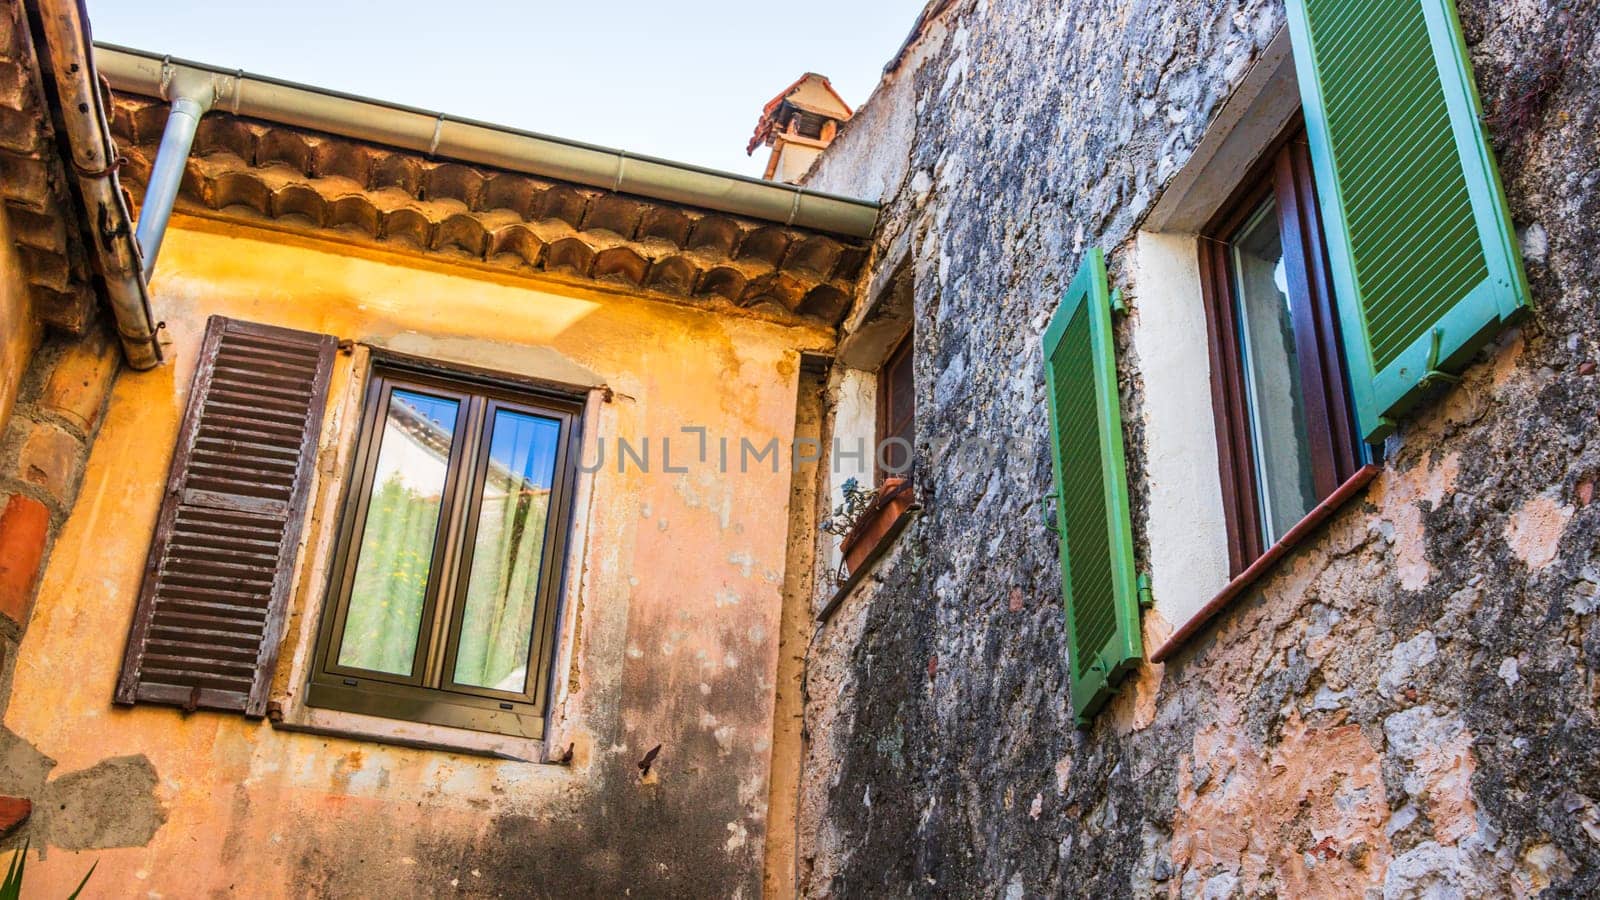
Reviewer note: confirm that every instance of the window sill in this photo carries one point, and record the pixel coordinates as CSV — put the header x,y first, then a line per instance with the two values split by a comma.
x,y
415,735
872,537
1259,569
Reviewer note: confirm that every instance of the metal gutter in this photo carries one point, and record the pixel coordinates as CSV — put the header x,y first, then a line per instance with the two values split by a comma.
x,y
439,135
93,162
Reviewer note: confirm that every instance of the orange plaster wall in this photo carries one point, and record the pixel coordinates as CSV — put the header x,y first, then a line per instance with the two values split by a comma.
x,y
672,611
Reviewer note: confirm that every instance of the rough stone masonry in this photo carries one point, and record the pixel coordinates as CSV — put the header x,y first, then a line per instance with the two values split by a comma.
x,y
1404,707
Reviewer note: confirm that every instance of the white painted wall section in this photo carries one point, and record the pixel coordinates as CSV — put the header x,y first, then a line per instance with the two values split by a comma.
x,y
855,426
1187,527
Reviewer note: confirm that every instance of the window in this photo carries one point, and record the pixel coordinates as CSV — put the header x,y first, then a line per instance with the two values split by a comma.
x,y
1285,435
447,576
897,413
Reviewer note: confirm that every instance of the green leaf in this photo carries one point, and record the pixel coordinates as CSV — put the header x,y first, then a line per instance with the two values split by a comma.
x,y
11,888
74,894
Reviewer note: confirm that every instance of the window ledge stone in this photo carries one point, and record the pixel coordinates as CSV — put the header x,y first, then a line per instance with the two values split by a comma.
x,y
1267,562
418,736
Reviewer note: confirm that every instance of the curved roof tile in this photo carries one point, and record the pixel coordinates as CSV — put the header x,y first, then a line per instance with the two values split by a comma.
x,y
354,192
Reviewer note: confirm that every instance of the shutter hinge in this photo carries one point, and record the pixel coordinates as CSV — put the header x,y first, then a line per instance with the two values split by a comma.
x,y
1118,304
1433,374
1387,425
1146,597
1045,515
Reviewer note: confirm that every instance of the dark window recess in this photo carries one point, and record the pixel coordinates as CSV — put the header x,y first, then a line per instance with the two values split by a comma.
x,y
897,414
1285,433
211,611
453,536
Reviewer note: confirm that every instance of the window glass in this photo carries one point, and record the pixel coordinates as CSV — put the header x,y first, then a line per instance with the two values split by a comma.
x,y
1285,435
449,564
1287,490
508,552
396,549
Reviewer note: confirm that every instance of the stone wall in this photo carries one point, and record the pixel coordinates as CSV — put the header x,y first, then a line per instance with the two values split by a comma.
x,y
1406,703
61,399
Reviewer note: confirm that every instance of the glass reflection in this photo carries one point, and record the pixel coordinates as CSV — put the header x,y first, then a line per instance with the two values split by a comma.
x,y
1272,374
508,553
396,550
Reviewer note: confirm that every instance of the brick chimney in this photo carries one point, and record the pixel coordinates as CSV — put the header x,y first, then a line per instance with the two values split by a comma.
x,y
798,124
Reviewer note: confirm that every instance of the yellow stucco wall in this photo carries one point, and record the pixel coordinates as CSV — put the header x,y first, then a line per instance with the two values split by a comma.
x,y
670,634
19,330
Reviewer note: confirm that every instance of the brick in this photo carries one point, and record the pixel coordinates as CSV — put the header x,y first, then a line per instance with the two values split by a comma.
x,y
41,231
24,528
16,89
66,311
77,388
19,132
25,183
13,812
46,269
48,458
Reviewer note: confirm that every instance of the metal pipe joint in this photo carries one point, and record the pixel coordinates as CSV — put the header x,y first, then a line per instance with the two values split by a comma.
x,y
191,93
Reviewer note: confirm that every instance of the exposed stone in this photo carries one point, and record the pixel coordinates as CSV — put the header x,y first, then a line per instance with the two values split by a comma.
x,y
1431,871
1433,756
1405,660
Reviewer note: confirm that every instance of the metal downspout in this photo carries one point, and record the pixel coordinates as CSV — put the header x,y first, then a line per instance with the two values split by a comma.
x,y
191,94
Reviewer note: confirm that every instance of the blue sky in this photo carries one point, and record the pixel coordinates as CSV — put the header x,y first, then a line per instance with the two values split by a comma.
x,y
685,81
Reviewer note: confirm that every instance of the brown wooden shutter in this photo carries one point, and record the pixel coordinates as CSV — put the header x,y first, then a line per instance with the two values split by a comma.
x,y
216,586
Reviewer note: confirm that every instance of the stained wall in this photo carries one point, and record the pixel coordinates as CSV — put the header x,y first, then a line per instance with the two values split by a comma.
x,y
669,632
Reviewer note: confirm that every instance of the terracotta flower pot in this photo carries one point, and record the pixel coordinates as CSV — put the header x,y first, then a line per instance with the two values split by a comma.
x,y
894,498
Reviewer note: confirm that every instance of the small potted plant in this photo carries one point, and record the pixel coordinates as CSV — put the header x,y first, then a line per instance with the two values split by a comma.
x,y
865,516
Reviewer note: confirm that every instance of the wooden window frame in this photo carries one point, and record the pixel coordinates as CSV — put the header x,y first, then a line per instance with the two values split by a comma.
x,y
902,354
1284,172
430,695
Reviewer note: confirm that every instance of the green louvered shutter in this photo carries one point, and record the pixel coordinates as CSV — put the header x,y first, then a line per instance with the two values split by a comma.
x,y
1097,577
1424,260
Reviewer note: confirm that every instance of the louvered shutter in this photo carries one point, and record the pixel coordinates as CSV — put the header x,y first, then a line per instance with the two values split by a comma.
x,y
1424,259
1097,570
205,633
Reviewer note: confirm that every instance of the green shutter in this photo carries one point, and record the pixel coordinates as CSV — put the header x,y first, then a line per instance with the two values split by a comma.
x,y
1424,261
1097,577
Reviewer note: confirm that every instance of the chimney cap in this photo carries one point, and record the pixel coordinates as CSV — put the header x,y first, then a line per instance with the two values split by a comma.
x,y
810,93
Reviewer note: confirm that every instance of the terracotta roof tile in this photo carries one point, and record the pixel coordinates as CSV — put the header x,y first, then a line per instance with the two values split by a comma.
x,y
36,202
367,194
